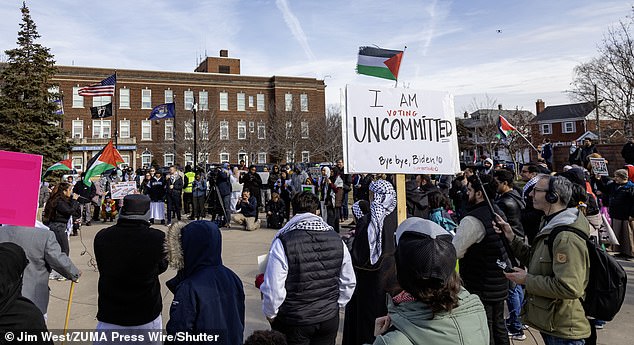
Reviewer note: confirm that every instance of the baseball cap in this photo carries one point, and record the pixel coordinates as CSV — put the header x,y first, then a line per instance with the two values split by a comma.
x,y
424,251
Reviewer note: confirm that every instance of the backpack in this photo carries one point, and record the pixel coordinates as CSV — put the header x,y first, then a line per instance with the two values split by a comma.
x,y
605,292
443,219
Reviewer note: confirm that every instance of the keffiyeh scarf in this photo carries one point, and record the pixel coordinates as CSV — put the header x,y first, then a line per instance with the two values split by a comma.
x,y
384,203
304,221
356,210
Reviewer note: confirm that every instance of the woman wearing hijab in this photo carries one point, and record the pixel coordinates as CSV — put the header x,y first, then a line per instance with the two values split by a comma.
x,y
208,297
373,260
16,311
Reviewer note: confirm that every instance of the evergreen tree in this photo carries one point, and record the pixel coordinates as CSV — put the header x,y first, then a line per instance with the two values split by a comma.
x,y
28,122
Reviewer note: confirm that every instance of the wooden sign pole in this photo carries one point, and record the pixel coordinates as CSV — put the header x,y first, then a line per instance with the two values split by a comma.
x,y
401,205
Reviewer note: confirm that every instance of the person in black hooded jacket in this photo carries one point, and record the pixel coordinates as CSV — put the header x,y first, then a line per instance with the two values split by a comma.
x,y
16,311
208,296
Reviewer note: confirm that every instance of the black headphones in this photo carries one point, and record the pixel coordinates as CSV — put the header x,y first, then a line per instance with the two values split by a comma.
x,y
551,196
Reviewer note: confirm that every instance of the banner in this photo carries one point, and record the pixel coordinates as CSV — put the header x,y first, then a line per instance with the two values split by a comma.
x,y
599,166
121,189
20,189
399,131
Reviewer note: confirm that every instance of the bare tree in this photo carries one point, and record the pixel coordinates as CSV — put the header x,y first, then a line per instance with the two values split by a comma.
x,y
207,143
328,142
289,133
612,72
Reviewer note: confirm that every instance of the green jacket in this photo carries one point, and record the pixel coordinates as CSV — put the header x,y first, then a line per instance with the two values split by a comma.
x,y
466,324
553,287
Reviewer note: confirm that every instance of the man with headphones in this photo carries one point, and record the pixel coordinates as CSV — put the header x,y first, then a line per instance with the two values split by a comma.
x,y
555,283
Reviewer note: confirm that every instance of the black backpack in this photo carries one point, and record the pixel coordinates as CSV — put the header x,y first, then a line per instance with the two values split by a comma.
x,y
607,282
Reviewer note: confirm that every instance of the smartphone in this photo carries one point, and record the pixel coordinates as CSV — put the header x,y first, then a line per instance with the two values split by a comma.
x,y
504,266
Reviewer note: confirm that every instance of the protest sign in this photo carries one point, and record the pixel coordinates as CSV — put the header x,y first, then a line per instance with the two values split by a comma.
x,y
19,191
120,189
399,131
599,166
308,188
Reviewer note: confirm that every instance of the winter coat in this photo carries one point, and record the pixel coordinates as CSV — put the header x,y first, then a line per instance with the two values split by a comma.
x,y
621,200
157,190
628,153
414,323
252,183
223,182
63,210
207,295
416,200
511,204
248,209
86,193
554,286
199,188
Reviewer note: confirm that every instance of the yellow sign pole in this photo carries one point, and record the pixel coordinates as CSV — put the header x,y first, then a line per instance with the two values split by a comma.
x,y
401,205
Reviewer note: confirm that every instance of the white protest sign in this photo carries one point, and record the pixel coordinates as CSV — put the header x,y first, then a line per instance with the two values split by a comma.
x,y
120,189
399,131
599,166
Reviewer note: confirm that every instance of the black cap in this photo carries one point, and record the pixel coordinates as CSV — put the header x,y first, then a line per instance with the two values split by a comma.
x,y
136,207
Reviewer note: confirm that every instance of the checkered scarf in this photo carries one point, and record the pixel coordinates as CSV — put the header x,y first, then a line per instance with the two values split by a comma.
x,y
384,203
356,210
528,185
304,221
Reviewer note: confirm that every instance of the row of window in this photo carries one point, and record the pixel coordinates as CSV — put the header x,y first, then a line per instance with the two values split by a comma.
x,y
566,127
168,158
102,129
203,100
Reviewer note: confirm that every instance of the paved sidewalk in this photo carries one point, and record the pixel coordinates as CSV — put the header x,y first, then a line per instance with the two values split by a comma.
x,y
240,252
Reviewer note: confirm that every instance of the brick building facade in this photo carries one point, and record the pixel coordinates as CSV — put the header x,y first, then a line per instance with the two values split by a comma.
x,y
234,114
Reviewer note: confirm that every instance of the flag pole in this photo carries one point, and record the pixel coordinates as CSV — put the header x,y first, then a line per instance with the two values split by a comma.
x,y
174,128
116,122
529,143
399,68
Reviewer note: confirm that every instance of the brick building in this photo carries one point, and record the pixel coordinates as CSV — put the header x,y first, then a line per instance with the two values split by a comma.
x,y
235,114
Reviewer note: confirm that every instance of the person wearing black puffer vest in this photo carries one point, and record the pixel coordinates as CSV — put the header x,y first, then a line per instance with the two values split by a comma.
x,y
479,249
308,277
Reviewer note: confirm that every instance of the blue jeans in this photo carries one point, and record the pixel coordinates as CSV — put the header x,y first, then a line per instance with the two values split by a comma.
x,y
552,340
514,302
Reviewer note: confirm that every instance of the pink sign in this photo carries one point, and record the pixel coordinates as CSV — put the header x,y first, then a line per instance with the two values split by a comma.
x,y
19,187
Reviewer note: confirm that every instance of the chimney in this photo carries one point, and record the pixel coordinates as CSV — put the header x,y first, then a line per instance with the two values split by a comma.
x,y
224,53
539,106
499,106
466,115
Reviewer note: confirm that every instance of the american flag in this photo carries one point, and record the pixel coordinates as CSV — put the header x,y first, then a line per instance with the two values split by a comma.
x,y
103,88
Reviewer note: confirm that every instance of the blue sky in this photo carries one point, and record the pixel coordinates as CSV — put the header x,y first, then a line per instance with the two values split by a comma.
x,y
451,45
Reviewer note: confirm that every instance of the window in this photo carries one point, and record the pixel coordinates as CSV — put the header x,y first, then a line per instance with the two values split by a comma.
x,y
251,126
303,102
289,156
204,130
146,158
260,102
78,163
168,159
250,101
242,130
568,127
262,158
169,96
124,98
126,161
224,101
146,99
146,130
98,101
305,156
240,101
288,102
224,130
78,101
304,130
224,69
243,156
261,130
546,128
101,128
189,130
224,157
78,129
289,129
169,129
124,128
189,159
203,100
189,100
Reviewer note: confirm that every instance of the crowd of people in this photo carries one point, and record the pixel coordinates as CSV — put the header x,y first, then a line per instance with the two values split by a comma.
x,y
474,245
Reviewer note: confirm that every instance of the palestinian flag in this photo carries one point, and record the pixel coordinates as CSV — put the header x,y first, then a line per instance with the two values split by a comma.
x,y
66,165
106,159
504,127
380,63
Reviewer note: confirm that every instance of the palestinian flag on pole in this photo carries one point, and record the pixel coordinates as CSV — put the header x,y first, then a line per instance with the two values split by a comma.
x,y
380,63
66,165
106,159
504,127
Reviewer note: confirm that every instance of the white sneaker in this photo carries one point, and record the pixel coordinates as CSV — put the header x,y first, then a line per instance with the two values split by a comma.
x,y
517,336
